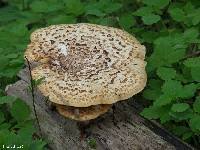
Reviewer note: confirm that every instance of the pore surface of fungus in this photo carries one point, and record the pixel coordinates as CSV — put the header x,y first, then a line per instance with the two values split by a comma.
x,y
86,64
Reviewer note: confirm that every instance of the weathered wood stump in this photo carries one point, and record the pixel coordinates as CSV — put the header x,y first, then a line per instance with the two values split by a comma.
x,y
129,131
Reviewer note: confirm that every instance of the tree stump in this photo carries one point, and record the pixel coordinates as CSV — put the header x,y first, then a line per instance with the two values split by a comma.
x,y
128,131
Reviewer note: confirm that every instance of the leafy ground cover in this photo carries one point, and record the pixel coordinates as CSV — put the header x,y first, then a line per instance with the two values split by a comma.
x,y
168,28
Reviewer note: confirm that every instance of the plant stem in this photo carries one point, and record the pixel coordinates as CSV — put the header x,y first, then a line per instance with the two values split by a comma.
x,y
33,96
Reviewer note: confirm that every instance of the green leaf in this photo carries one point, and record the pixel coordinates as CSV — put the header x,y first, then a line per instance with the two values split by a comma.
x,y
37,145
110,9
151,94
163,100
180,107
7,99
190,35
2,118
149,36
91,10
61,19
143,11
153,112
196,104
188,91
195,123
75,7
126,21
192,62
155,83
150,19
156,3
177,14
109,6
20,111
180,130
187,135
92,143
166,73
26,132
180,116
166,53
39,6
195,72
172,88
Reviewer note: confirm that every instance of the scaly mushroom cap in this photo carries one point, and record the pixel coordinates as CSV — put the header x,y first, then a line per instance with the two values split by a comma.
x,y
86,64
82,113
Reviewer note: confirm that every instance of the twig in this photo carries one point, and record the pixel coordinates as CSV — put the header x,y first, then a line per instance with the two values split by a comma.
x,y
33,96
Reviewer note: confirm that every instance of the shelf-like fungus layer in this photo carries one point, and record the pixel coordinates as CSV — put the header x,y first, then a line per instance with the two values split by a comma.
x,y
82,113
85,64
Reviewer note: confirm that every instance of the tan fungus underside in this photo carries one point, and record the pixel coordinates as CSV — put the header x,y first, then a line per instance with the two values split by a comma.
x,y
82,113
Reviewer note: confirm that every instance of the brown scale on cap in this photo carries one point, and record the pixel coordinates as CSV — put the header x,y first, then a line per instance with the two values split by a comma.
x,y
86,64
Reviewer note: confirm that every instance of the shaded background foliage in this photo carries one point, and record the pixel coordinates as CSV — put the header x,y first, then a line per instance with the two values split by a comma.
x,y
168,28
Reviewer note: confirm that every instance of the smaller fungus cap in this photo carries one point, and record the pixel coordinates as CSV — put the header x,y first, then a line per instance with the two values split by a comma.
x,y
82,113
86,64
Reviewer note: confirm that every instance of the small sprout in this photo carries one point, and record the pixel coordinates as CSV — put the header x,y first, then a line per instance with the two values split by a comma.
x,y
35,83
92,143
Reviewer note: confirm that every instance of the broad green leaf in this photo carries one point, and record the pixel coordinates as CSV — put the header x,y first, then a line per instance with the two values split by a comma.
x,y
154,112
166,53
188,91
20,111
5,126
9,14
163,100
191,35
180,130
165,117
192,62
151,94
61,19
196,104
7,99
143,11
156,3
149,36
126,21
91,10
195,72
151,112
115,7
75,7
177,14
155,83
109,6
3,62
150,19
26,132
172,88
39,6
180,116
195,123
37,145
166,73
2,118
187,135
180,107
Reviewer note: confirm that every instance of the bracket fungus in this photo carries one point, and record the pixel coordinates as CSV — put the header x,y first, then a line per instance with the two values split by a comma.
x,y
86,67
